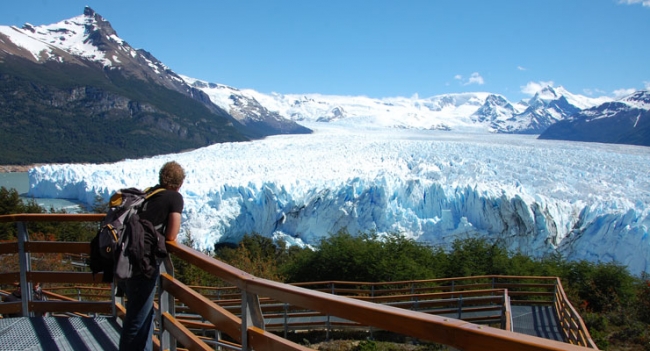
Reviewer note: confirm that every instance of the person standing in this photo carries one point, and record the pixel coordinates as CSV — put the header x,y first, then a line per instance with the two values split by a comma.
x,y
13,297
163,210
17,295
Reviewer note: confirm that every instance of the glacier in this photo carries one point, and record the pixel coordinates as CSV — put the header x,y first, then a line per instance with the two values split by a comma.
x,y
537,197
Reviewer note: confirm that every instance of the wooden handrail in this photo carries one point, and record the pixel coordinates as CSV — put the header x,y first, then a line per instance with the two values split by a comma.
x,y
573,326
52,217
8,248
182,334
217,315
435,280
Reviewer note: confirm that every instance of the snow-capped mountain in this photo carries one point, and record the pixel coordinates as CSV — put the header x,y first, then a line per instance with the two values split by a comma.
x,y
498,114
85,40
496,107
626,121
246,109
476,112
74,91
445,112
533,116
547,107
639,100
89,39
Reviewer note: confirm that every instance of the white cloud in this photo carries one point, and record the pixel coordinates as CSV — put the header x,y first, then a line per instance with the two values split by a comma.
x,y
592,92
522,68
646,85
619,93
474,78
645,3
533,87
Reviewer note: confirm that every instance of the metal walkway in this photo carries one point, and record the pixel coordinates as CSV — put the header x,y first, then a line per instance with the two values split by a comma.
x,y
103,334
59,334
536,321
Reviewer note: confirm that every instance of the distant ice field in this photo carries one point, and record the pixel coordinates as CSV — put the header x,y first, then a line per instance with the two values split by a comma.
x,y
583,200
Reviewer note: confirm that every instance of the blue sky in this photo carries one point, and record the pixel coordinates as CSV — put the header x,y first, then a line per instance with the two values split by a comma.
x,y
382,48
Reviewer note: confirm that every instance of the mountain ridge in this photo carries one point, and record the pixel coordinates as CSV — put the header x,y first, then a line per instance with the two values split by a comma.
x,y
625,121
477,111
76,78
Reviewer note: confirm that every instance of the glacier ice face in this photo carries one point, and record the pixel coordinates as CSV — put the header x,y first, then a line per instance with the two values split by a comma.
x,y
583,200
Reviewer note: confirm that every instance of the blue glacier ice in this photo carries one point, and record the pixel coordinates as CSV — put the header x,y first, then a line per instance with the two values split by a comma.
x,y
582,200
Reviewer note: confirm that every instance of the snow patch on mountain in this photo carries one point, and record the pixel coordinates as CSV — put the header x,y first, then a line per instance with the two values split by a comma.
x,y
639,99
17,36
70,35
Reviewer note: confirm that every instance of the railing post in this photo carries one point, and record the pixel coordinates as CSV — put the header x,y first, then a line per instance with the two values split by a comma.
x,y
25,263
115,299
327,320
286,319
251,314
328,324
166,304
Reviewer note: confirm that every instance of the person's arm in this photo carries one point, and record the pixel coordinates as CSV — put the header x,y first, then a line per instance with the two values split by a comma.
x,y
173,226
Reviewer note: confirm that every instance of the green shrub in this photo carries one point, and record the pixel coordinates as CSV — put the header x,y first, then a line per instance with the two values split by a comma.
x,y
363,258
366,345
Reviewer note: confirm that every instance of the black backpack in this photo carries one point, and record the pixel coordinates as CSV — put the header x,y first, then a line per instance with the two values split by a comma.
x,y
125,244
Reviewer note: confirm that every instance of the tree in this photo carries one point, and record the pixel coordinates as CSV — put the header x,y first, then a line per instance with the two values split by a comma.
x,y
476,256
254,254
364,258
11,203
602,287
190,274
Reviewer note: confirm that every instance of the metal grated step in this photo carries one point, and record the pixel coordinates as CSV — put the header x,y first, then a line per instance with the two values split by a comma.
x,y
59,333
537,321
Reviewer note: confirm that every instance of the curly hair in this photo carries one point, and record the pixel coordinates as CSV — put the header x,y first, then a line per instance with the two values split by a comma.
x,y
171,175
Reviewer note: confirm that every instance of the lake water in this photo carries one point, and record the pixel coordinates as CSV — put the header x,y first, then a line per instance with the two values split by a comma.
x,y
20,182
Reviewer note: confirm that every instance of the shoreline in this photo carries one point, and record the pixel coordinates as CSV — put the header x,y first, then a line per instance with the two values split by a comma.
x,y
16,168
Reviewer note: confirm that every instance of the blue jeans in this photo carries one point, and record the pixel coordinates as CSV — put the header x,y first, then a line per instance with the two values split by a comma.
x,y
137,327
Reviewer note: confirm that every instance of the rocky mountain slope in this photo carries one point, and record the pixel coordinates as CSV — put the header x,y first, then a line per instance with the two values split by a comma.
x,y
625,121
74,91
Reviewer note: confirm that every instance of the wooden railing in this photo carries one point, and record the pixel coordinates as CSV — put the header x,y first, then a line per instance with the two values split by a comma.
x,y
447,296
247,329
488,307
571,323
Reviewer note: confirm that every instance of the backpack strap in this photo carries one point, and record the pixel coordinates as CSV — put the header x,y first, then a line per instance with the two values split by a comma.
x,y
152,193
149,193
